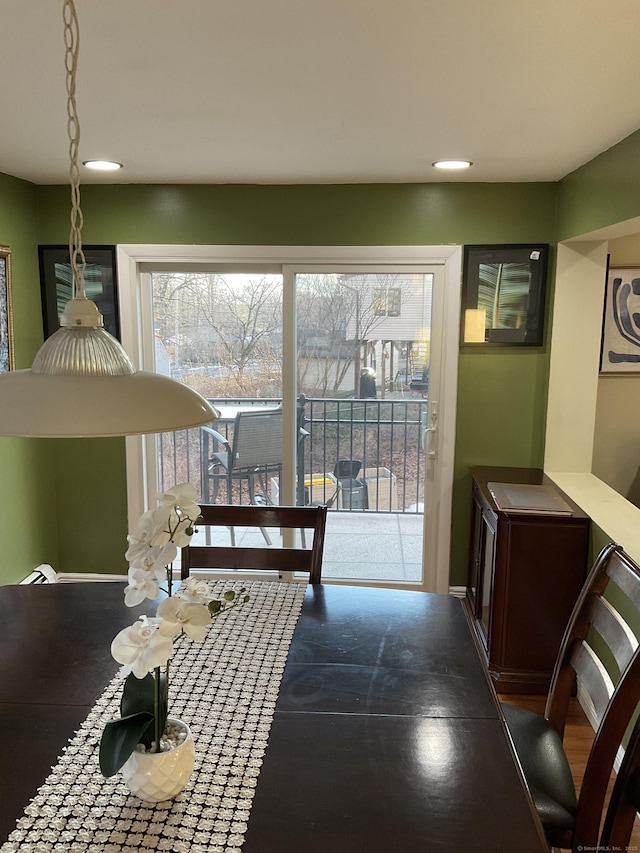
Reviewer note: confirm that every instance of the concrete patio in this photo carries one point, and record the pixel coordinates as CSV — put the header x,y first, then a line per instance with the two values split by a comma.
x,y
373,546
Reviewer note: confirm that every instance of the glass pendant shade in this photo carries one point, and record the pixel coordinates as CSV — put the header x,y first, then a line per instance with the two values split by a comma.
x,y
84,384
82,352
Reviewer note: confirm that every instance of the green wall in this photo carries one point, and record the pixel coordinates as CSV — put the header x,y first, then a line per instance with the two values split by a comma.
x,y
92,495
369,215
604,191
502,393
502,397
28,505
68,497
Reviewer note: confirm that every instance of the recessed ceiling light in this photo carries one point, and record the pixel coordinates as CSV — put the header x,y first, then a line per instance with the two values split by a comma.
x,y
102,165
452,164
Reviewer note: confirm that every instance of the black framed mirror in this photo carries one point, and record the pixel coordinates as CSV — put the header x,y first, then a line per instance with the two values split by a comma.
x,y
503,294
56,284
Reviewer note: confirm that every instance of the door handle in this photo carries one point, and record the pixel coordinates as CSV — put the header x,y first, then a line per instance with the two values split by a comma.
x,y
428,441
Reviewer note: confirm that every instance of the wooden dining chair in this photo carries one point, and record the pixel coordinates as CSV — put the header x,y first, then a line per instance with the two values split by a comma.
x,y
241,557
624,804
600,654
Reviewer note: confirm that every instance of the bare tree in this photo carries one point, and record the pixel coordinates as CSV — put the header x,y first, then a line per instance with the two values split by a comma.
x,y
323,315
223,332
245,319
177,303
228,328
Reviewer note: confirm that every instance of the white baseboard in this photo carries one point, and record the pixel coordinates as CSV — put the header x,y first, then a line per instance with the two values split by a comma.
x,y
83,577
458,591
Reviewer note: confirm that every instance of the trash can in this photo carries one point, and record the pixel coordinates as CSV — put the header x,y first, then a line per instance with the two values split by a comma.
x,y
352,490
367,383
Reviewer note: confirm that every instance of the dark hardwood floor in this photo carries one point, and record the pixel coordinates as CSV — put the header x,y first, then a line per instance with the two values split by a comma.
x,y
577,742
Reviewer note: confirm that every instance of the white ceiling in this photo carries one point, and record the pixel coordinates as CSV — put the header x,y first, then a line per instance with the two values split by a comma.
x,y
320,91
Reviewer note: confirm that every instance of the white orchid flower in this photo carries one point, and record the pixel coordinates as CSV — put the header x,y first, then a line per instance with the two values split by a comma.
x,y
181,616
184,498
172,528
154,559
160,558
194,591
142,647
161,523
141,585
182,530
143,552
140,541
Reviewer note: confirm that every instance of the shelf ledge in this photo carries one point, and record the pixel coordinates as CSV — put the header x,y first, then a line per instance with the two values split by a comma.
x,y
617,517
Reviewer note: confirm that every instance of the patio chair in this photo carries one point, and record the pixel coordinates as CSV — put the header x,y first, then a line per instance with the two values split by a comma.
x,y
600,652
240,557
255,452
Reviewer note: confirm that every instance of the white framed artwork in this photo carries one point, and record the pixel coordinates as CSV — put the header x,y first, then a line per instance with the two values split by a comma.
x,y
620,351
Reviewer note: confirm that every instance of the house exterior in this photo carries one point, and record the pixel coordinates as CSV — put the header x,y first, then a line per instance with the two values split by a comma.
x,y
394,307
396,327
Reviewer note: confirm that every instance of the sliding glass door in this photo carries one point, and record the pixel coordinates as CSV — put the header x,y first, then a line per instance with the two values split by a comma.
x,y
353,355
220,332
362,382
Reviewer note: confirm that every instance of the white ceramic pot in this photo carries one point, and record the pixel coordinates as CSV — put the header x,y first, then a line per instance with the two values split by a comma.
x,y
157,776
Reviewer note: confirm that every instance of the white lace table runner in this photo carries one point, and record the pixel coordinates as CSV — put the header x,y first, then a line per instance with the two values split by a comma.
x,y
225,689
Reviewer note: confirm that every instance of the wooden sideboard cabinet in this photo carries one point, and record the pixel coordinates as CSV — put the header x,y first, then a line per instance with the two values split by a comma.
x,y
525,573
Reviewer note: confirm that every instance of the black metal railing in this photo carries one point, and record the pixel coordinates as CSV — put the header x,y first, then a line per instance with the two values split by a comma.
x,y
354,455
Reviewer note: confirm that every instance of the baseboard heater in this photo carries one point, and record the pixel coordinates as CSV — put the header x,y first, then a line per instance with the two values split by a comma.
x,y
46,574
42,574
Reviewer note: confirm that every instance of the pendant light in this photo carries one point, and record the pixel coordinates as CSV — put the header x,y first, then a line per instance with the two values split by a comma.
x,y
82,382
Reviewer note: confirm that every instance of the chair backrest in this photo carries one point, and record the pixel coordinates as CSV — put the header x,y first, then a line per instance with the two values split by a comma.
x,y
600,651
257,439
281,559
624,803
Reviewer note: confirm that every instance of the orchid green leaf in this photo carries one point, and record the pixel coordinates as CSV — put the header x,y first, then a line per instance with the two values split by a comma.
x,y
138,697
119,740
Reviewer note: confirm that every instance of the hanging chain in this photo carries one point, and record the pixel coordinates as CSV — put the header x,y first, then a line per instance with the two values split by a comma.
x,y
72,44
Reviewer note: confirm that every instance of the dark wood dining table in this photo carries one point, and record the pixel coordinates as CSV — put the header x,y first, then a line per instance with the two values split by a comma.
x,y
387,733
